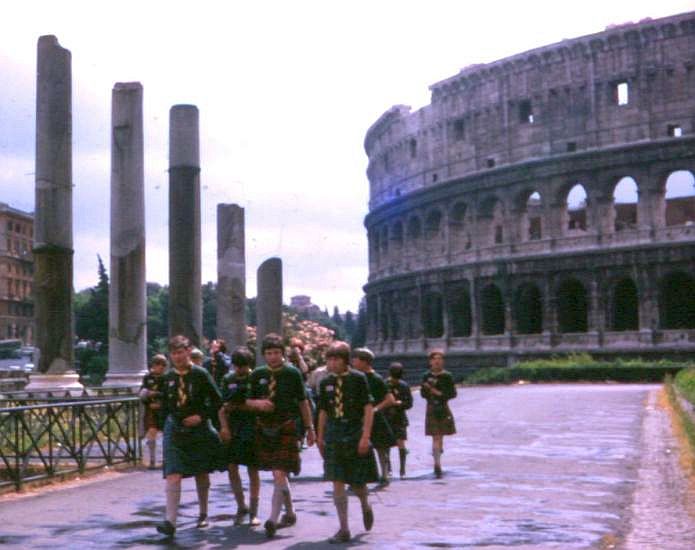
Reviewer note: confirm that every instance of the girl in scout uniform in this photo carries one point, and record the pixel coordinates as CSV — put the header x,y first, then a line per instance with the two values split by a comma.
x,y
277,393
438,388
396,415
151,395
238,431
192,447
382,434
345,423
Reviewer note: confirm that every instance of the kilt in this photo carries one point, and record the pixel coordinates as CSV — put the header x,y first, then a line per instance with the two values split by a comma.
x,y
398,422
439,421
341,461
242,448
382,434
153,418
277,445
192,451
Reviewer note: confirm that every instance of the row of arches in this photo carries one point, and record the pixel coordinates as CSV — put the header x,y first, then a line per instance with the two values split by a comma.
x,y
567,310
531,218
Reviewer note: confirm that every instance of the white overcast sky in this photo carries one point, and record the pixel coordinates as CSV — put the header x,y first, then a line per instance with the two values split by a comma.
x,y
286,91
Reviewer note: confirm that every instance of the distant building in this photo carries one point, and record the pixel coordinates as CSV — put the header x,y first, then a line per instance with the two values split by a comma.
x,y
303,303
16,274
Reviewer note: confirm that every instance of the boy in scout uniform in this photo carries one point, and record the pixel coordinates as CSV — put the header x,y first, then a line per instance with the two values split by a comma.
x,y
382,434
278,395
438,388
344,431
238,432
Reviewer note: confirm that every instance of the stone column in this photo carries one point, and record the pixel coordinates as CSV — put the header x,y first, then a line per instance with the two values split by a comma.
x,y
127,291
185,298
269,302
53,218
231,275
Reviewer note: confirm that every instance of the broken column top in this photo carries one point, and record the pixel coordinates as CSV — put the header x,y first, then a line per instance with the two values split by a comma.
x,y
183,136
127,86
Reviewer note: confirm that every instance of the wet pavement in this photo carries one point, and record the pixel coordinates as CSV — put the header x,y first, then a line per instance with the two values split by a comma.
x,y
533,466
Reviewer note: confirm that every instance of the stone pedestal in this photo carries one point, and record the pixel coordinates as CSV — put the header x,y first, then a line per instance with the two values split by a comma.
x,y
231,275
49,382
127,291
269,302
185,297
53,218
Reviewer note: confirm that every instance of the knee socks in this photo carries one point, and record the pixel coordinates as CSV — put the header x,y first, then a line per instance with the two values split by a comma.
x,y
203,489
152,448
341,506
173,494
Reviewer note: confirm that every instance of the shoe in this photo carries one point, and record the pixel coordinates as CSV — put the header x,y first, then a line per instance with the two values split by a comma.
x,y
152,466
270,529
402,473
438,472
368,517
166,528
288,519
202,522
384,482
240,515
254,521
340,537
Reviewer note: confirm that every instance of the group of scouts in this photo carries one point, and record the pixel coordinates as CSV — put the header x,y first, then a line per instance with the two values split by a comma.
x,y
217,417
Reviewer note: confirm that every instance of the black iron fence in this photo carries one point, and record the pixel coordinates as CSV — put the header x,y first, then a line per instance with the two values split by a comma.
x,y
20,398
51,438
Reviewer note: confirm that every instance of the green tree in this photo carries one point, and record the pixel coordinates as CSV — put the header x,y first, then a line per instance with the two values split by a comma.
x,y
209,293
359,337
92,310
157,318
349,326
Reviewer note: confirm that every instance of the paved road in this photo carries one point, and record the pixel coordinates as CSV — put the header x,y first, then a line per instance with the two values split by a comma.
x,y
546,466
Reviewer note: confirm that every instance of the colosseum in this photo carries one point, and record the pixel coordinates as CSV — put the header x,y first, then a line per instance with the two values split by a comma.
x,y
539,205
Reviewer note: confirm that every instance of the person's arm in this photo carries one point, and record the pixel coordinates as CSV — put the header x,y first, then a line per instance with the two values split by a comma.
x,y
225,433
254,402
305,409
367,421
320,443
450,388
406,398
388,401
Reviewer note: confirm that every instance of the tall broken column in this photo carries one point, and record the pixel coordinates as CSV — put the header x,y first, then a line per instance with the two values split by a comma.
x,y
53,217
231,275
185,299
268,302
128,288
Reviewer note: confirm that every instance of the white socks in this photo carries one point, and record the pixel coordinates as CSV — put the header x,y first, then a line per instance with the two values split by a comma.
x,y
173,494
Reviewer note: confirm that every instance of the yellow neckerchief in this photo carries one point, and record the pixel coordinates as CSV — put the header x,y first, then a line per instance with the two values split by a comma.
x,y
182,394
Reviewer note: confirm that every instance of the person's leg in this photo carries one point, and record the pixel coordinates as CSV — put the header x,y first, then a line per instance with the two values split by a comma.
x,y
151,442
238,491
173,497
254,492
340,500
437,454
383,465
367,514
279,484
402,454
202,485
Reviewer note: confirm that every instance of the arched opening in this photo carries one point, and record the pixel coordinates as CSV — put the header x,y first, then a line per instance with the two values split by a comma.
x,y
433,223
677,301
625,198
433,315
492,221
374,246
457,227
384,318
576,209
394,316
411,307
397,235
680,198
533,217
572,307
384,241
492,308
528,309
414,233
460,315
625,306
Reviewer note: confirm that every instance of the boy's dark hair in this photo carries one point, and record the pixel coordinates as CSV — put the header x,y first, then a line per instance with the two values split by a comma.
x,y
159,359
396,370
242,357
364,353
339,349
179,342
434,353
222,345
272,341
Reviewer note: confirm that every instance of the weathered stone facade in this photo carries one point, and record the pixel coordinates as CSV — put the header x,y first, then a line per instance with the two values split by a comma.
x,y
474,246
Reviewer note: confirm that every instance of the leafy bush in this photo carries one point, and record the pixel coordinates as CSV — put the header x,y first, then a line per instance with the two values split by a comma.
x,y
578,368
685,382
